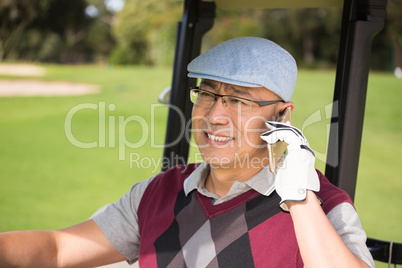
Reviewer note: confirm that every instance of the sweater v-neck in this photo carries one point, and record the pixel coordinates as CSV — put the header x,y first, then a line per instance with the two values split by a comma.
x,y
212,210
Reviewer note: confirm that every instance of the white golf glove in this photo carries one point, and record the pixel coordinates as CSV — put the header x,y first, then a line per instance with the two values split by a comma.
x,y
296,174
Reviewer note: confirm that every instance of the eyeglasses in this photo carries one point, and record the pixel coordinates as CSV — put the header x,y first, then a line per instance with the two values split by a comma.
x,y
206,99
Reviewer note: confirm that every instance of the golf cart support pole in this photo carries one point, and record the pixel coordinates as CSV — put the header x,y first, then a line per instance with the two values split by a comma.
x,y
198,18
361,21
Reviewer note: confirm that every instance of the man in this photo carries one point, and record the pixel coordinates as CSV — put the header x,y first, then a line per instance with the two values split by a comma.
x,y
230,210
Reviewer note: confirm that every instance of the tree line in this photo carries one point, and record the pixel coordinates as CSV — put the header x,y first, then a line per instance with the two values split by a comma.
x,y
144,32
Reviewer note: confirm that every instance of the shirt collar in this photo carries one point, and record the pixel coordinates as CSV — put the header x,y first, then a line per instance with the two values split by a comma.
x,y
197,178
263,182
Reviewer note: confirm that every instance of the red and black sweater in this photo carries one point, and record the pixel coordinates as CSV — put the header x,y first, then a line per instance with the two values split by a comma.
x,y
249,230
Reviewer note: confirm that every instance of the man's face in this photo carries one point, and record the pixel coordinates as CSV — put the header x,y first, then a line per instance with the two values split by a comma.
x,y
228,139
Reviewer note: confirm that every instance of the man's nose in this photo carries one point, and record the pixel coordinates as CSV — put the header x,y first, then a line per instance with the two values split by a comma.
x,y
218,113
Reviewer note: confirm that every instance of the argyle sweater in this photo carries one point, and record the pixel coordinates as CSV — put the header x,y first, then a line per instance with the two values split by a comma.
x,y
249,230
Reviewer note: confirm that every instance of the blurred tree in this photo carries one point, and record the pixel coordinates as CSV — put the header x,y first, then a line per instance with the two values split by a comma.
x,y
68,20
99,41
145,32
15,17
54,30
310,35
231,24
394,21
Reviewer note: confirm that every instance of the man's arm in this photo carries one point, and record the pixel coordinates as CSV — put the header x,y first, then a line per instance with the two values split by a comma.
x,y
319,243
82,245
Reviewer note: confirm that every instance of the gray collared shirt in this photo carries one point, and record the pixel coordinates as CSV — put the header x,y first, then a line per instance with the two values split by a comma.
x,y
262,182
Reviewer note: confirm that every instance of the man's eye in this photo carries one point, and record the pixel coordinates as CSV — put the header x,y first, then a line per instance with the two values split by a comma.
x,y
237,101
204,94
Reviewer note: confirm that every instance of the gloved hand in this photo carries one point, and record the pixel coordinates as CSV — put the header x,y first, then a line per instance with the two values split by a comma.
x,y
296,174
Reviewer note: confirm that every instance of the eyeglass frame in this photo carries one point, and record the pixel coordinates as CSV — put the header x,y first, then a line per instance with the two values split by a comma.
x,y
259,103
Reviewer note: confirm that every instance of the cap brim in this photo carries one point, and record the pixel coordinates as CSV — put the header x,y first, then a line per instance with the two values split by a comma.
x,y
222,79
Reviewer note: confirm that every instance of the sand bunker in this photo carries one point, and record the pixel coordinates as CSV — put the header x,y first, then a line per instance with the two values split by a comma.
x,y
21,69
29,88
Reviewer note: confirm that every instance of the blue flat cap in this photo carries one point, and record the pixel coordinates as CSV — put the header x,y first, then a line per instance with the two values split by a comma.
x,y
248,62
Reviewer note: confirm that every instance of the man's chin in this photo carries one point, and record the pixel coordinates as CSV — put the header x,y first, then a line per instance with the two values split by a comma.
x,y
219,162
236,161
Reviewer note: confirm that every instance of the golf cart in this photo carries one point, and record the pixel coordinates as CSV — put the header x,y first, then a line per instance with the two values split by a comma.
x,y
361,21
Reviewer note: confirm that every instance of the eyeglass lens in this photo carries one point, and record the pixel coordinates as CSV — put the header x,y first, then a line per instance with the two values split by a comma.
x,y
206,100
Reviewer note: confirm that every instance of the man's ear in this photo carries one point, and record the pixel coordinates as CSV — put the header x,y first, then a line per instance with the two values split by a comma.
x,y
281,107
289,104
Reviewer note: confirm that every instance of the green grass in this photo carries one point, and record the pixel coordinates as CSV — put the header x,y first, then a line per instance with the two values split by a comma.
x,y
46,182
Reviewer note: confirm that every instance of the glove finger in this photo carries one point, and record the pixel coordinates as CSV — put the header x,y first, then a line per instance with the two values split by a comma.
x,y
270,125
280,125
286,135
275,124
278,132
306,147
268,138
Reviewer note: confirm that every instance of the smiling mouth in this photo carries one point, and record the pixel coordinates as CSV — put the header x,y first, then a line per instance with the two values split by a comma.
x,y
218,138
